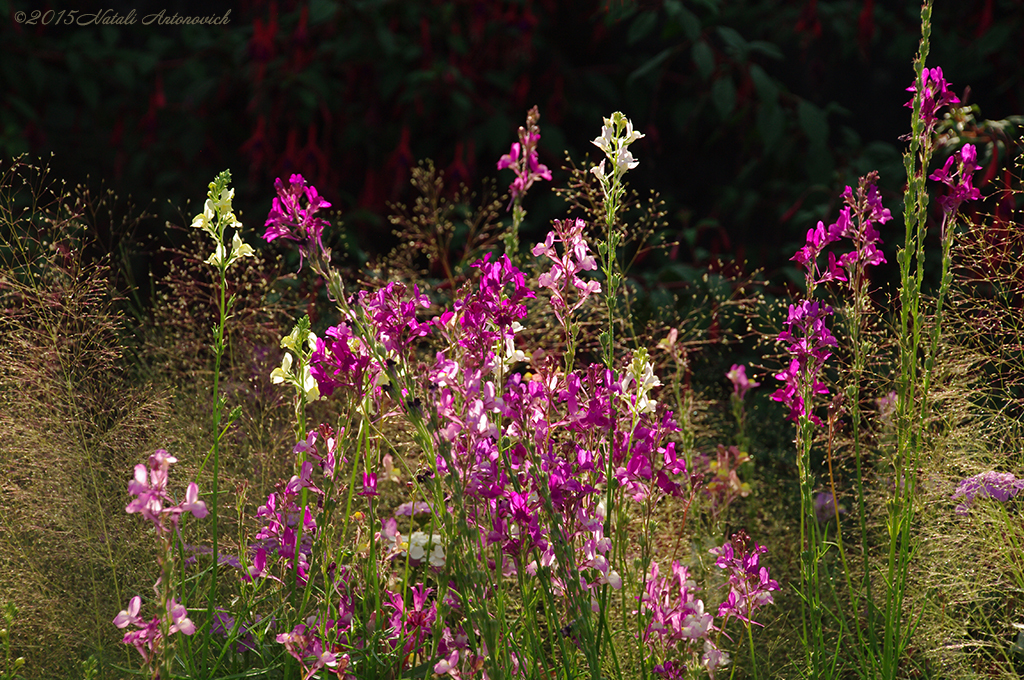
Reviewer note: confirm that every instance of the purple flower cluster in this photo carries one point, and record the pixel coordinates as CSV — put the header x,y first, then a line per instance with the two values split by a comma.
x,y
149,486
290,219
150,489
146,638
393,316
575,258
750,586
959,179
1002,486
809,342
856,222
528,462
935,95
677,615
523,160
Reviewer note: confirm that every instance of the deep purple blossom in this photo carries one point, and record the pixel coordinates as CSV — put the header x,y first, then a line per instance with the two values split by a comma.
x,y
340,360
392,317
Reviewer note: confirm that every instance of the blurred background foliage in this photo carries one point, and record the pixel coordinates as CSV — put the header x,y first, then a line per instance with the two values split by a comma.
x,y
756,114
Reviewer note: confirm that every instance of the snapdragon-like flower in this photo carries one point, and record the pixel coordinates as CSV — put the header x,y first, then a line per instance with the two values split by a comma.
x,y
737,375
676,614
957,175
638,383
149,487
302,379
935,95
305,646
290,219
147,637
617,134
523,160
340,360
750,586
216,217
1001,486
856,222
565,268
393,317
809,339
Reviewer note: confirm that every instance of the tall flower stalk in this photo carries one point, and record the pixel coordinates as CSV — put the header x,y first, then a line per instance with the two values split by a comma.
x,y
522,159
216,218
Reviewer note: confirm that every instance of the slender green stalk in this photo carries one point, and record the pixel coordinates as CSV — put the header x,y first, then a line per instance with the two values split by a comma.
x,y
910,425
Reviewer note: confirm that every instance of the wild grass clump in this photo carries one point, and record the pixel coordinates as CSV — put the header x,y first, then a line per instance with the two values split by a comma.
x,y
74,417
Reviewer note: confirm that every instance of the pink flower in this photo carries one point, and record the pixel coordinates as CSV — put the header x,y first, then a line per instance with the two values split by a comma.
x,y
958,179
523,160
935,95
737,375
150,490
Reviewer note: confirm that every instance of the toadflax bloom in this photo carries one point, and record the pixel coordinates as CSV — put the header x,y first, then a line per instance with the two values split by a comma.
x,y
522,158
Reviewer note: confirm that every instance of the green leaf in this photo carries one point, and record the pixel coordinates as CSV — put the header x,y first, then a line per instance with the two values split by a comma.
x,y
650,65
641,27
813,122
704,58
723,93
770,121
735,42
321,10
766,48
767,89
684,18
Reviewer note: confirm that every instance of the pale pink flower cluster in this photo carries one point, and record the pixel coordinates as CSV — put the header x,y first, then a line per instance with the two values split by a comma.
x,y
565,269
150,489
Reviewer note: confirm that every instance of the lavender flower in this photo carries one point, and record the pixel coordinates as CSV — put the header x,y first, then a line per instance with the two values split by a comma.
x,y
1002,486
825,507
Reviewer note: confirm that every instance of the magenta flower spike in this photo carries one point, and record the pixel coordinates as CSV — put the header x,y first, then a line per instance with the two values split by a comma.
x,y
522,158
957,175
935,95
290,219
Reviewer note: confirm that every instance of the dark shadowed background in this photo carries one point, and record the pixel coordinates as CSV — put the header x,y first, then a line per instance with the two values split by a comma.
x,y
756,114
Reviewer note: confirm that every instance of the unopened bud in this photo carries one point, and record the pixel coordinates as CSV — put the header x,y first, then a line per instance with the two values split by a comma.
x,y
19,662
